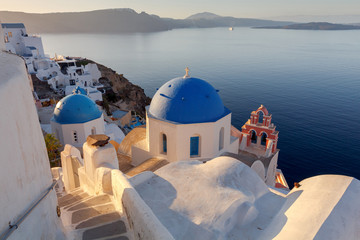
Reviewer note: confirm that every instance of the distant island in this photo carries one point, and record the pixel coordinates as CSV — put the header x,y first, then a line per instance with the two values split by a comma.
x,y
123,21
315,26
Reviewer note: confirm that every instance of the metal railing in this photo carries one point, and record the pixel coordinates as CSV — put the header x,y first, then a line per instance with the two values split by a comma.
x,y
16,224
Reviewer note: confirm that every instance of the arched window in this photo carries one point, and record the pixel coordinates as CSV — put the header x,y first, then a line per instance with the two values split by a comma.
x,y
261,116
75,137
221,138
164,144
93,131
263,139
195,146
253,136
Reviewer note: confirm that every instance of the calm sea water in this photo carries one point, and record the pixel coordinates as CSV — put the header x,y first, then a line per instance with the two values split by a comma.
x,y
308,80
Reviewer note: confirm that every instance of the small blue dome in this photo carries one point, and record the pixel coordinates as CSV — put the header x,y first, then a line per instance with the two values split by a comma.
x,y
76,108
187,100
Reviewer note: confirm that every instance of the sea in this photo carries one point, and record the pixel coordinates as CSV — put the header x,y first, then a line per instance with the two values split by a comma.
x,y
308,80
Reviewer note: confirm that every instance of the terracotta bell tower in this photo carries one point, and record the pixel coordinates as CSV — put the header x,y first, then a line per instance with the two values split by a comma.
x,y
259,133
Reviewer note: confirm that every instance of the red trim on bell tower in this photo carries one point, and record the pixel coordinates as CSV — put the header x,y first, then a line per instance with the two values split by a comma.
x,y
258,126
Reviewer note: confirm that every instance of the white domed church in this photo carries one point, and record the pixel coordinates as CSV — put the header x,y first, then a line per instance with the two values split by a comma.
x,y
76,116
186,120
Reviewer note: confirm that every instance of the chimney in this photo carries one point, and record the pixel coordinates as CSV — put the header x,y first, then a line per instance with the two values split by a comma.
x,y
98,153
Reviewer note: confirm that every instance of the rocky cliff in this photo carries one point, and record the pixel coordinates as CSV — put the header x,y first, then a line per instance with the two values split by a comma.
x,y
121,93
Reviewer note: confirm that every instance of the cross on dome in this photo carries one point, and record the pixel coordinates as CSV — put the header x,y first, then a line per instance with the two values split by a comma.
x,y
187,72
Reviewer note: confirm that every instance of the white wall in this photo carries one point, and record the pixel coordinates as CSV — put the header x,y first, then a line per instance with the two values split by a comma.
x,y
271,170
83,131
155,128
259,168
178,138
16,40
2,43
95,157
95,95
32,41
142,220
25,171
94,71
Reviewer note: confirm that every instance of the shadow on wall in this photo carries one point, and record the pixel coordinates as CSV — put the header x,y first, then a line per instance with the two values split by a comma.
x,y
331,226
160,199
277,224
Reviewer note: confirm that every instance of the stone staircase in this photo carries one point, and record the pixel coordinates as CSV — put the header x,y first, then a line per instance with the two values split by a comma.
x,y
91,217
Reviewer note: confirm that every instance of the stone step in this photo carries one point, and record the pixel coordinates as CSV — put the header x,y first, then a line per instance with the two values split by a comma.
x,y
70,194
98,220
116,238
112,230
70,199
86,213
93,201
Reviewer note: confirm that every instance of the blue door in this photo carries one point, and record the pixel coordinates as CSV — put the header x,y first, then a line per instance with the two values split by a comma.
x,y
194,146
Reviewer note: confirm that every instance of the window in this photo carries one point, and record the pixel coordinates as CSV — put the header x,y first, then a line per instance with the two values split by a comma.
x,y
253,136
75,137
263,139
93,131
221,138
72,82
164,144
194,146
261,116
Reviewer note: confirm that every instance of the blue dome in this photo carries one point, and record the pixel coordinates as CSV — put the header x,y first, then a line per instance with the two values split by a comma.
x,y
76,108
187,100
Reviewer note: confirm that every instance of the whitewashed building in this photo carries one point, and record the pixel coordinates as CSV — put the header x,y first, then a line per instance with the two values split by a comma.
x,y
76,116
58,74
65,74
25,178
221,198
17,41
186,120
92,92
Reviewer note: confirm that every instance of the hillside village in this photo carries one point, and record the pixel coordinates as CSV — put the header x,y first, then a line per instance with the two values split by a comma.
x,y
54,78
170,167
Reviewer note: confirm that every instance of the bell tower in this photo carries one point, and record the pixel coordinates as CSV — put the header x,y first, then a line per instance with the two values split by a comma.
x,y
258,133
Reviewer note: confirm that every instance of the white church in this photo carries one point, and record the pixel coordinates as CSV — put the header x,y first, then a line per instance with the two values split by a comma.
x,y
187,120
209,187
77,116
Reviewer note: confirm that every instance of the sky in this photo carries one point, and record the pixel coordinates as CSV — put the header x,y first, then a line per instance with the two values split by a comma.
x,y
184,8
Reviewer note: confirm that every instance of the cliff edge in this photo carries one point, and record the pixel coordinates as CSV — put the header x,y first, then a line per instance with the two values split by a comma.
x,y
121,93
